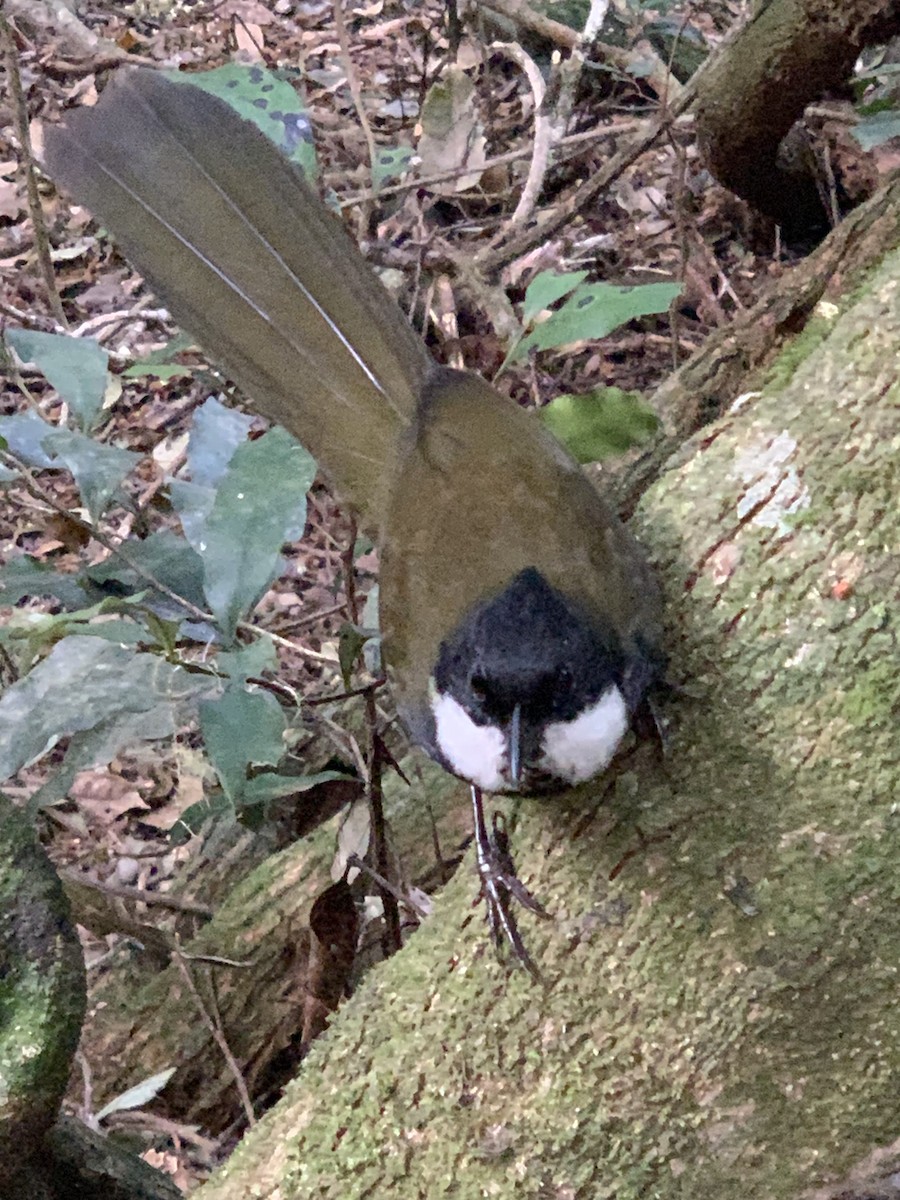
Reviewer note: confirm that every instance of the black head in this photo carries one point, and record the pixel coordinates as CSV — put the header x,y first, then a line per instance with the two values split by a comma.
x,y
528,691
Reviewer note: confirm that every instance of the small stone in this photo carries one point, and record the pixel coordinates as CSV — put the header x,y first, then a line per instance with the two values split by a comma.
x,y
127,871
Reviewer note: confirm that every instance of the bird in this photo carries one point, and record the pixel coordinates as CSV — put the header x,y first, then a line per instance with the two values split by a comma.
x,y
521,621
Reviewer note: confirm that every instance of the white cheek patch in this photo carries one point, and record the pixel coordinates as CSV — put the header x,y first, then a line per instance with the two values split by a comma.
x,y
476,752
578,749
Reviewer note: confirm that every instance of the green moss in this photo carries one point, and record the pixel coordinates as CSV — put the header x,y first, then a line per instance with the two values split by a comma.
x,y
797,351
875,696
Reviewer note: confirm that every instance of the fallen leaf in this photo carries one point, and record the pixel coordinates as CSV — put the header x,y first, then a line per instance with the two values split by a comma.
x,y
103,796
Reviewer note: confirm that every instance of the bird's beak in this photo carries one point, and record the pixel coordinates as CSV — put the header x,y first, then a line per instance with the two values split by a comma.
x,y
514,745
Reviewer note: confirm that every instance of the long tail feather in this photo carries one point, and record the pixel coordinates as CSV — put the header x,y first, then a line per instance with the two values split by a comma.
x,y
249,262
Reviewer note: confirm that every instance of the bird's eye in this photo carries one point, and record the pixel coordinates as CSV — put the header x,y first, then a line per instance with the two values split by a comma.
x,y
564,679
479,686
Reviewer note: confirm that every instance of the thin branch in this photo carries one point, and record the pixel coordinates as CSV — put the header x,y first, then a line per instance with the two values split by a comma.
x,y
218,1037
353,81
498,160
122,892
353,860
391,942
543,137
20,116
493,258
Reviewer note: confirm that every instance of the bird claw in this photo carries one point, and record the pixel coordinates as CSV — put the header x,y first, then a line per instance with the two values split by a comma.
x,y
500,885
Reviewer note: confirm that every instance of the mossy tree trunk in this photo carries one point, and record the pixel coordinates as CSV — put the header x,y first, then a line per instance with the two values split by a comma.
x,y
720,1014
786,56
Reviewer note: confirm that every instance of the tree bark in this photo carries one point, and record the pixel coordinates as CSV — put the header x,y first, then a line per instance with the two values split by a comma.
x,y
720,1012
42,995
788,54
249,969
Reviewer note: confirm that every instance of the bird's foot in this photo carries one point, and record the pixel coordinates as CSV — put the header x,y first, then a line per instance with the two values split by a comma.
x,y
500,885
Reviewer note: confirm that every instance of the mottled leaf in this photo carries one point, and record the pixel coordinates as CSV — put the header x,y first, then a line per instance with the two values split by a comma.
x,y
269,102
595,310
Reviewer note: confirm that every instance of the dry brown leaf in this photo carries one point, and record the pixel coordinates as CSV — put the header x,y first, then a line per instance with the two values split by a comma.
x,y
190,791
251,12
103,796
334,924
11,201
250,41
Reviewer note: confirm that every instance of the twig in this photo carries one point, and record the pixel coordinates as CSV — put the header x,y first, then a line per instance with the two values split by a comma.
x,y
31,320
87,1094
498,160
444,316
311,618
526,18
123,892
7,663
594,22
350,694
219,960
353,81
543,138
174,1130
492,259
391,942
218,1037
353,860
20,116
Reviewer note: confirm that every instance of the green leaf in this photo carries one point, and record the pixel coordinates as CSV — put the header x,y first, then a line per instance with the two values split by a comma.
x,y
98,746
76,367
269,102
390,163
350,641
194,818
162,363
24,434
594,310
269,785
40,631
875,130
251,659
260,504
216,432
98,469
25,576
242,728
82,682
193,502
546,288
137,1096
166,557
600,424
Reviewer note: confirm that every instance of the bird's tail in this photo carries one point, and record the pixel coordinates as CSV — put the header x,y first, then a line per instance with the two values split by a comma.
x,y
250,263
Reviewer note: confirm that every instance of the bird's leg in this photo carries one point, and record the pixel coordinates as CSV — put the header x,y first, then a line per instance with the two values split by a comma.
x,y
500,884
